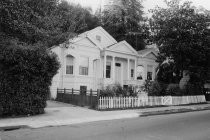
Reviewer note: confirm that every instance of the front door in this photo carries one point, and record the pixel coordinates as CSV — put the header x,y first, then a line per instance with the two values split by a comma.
x,y
118,73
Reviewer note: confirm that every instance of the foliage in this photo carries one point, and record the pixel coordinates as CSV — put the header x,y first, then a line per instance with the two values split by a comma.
x,y
107,92
117,90
182,36
166,73
147,85
50,22
125,22
194,89
157,89
25,76
174,90
162,89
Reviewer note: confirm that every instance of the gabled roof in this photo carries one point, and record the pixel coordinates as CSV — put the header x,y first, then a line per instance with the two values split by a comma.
x,y
122,47
85,34
145,52
94,32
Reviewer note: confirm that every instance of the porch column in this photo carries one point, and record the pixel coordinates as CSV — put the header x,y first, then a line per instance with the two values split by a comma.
x,y
135,67
145,72
76,67
153,72
100,70
128,69
113,68
104,65
90,65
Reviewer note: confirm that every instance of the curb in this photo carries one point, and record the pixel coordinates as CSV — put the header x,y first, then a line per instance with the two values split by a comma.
x,y
84,120
15,127
41,124
173,111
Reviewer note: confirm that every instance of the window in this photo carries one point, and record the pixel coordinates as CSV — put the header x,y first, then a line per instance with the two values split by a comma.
x,y
117,64
149,75
83,68
98,38
111,2
132,73
108,69
69,65
139,72
149,72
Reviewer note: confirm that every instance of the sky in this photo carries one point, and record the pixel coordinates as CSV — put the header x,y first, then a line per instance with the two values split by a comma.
x,y
147,4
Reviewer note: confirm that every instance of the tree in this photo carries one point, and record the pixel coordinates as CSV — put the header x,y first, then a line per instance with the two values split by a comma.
x,y
182,36
126,22
25,76
49,22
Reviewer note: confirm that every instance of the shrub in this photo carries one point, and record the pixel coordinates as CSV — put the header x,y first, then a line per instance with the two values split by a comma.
x,y
131,91
193,89
147,85
174,90
117,90
157,89
108,92
25,76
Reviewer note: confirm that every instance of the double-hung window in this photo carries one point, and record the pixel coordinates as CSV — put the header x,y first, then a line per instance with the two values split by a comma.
x,y
149,72
69,65
83,68
139,72
132,73
108,69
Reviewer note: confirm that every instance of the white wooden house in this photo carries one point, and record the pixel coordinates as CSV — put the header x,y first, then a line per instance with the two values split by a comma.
x,y
94,60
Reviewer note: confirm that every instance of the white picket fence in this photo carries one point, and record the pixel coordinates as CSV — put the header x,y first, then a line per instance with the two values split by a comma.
x,y
134,102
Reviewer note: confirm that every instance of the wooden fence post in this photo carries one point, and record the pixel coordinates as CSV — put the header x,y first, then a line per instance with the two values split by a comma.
x,y
57,98
64,90
91,96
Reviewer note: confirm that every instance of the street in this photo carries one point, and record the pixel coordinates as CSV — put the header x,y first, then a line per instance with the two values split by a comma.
x,y
181,126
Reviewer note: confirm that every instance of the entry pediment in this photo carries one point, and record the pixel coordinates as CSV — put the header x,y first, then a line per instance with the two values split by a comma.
x,y
151,56
123,47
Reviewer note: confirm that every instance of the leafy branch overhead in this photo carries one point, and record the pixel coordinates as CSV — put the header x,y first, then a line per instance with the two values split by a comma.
x,y
50,22
181,32
125,21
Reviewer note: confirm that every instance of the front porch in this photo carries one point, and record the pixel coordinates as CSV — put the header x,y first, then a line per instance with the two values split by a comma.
x,y
119,69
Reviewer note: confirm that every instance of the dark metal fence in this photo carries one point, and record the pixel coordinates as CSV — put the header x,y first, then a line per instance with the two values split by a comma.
x,y
87,98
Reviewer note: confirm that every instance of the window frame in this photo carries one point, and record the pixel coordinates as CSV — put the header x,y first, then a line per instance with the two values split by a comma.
x,y
132,73
72,65
108,71
84,70
150,72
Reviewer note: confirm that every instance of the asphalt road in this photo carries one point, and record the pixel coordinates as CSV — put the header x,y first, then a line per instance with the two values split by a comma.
x,y
182,126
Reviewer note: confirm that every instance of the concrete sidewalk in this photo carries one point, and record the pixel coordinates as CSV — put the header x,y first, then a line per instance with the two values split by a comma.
x,y
67,115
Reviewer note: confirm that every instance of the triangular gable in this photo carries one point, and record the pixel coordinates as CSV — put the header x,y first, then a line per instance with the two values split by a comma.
x,y
151,55
82,42
100,37
123,47
145,52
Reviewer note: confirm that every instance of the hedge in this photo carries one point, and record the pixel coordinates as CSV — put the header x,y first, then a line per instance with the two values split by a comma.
x,y
26,73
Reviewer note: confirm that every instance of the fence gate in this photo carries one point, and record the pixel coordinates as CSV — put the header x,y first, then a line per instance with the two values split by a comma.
x,y
166,100
83,93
